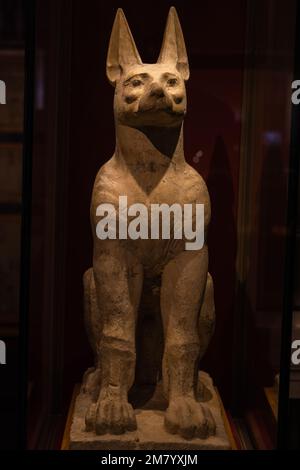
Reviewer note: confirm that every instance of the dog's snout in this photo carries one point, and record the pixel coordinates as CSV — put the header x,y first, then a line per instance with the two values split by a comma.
x,y
157,91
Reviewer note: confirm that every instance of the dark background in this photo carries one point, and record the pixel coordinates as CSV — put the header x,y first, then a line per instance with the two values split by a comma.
x,y
12,44
74,136
241,60
236,135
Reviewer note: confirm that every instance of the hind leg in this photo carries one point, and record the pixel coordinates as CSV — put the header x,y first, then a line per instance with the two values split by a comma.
x,y
206,326
93,325
206,322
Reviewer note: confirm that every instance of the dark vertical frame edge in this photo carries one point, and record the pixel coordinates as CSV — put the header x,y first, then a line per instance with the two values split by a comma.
x,y
287,318
29,15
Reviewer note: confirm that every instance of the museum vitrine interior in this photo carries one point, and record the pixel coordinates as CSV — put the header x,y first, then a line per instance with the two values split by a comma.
x,y
240,134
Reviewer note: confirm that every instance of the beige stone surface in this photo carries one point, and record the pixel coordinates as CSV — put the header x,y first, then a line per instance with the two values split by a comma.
x,y
149,303
150,433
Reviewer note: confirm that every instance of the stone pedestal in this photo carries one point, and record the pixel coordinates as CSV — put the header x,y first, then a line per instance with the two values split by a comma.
x,y
151,434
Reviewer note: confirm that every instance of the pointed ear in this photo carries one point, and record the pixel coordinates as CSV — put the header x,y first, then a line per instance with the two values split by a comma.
x,y
173,46
122,50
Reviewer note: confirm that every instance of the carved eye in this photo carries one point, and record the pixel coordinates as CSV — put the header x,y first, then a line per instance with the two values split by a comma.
x,y
172,81
136,82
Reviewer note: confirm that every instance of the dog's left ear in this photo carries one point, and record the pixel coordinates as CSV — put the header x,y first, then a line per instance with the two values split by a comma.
x,y
173,46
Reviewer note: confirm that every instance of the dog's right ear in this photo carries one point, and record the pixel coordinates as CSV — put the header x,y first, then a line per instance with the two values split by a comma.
x,y
122,50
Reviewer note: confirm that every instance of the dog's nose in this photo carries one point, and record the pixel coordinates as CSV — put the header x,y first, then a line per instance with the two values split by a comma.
x,y
157,91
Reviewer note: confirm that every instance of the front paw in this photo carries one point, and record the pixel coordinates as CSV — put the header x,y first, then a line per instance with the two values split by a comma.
x,y
188,418
110,415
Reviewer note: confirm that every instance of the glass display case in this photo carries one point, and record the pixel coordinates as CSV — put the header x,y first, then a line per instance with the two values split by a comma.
x,y
240,134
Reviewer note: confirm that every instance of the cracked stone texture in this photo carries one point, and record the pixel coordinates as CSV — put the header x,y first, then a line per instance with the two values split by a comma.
x,y
150,434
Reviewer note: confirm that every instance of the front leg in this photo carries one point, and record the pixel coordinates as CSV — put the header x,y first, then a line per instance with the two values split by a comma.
x,y
118,282
183,284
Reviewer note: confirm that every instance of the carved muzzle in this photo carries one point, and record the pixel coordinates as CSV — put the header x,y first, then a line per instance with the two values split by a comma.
x,y
155,99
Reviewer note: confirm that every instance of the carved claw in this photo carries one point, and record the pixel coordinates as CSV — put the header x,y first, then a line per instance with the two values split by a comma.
x,y
110,416
188,418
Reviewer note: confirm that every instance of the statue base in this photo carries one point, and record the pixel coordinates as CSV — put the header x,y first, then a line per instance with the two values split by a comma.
x,y
151,434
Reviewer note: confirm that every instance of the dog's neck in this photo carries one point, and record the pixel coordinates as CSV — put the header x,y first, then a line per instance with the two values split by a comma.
x,y
149,146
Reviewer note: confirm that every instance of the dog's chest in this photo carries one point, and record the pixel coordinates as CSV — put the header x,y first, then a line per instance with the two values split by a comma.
x,y
138,198
149,187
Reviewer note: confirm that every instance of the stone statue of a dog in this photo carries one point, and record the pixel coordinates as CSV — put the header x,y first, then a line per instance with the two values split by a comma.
x,y
149,167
